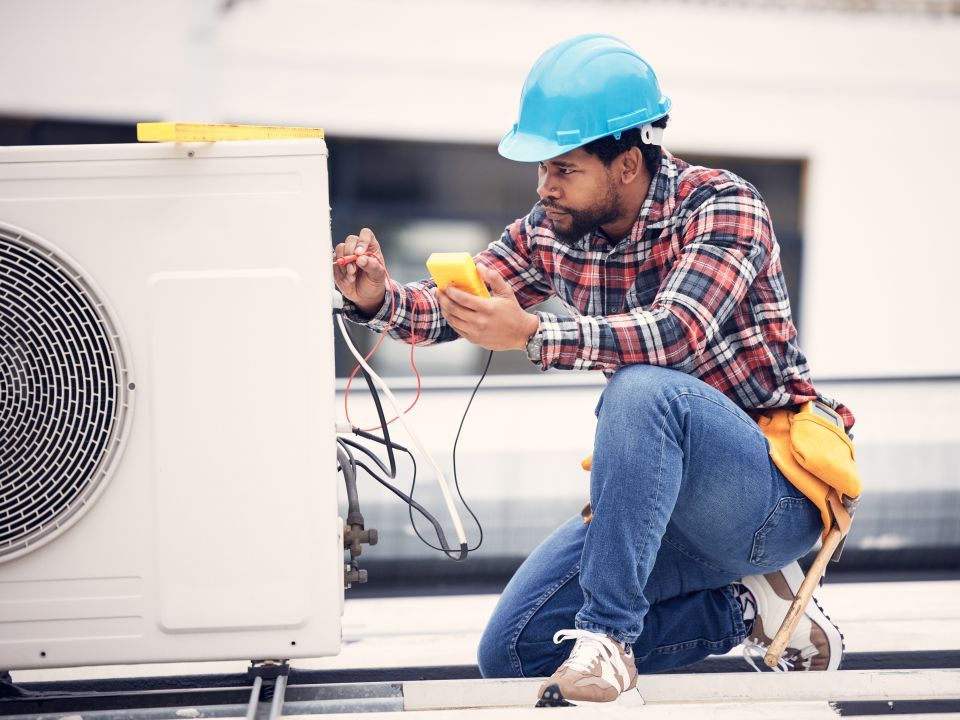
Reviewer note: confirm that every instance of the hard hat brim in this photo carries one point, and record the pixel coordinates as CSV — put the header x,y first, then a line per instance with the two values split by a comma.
x,y
527,147
530,147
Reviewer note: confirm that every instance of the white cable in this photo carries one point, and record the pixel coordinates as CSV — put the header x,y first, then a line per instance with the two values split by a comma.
x,y
441,480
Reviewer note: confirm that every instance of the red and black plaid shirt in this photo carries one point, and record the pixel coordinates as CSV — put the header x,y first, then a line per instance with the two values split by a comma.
x,y
696,286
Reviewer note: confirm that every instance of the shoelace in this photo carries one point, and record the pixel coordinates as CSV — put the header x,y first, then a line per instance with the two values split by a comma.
x,y
754,650
588,648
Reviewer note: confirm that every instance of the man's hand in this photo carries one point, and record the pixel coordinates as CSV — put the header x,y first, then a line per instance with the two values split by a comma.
x,y
364,280
496,323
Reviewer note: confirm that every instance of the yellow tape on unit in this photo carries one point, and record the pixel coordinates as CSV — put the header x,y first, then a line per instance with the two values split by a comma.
x,y
199,132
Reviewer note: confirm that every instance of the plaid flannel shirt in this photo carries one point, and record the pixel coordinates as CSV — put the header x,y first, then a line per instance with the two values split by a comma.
x,y
696,286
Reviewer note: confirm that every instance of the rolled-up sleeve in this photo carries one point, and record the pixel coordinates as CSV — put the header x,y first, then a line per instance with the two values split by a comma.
x,y
413,305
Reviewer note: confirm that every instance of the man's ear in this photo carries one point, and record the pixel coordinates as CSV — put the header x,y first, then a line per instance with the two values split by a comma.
x,y
631,165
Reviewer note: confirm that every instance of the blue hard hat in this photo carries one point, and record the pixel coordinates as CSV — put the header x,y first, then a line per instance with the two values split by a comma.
x,y
580,90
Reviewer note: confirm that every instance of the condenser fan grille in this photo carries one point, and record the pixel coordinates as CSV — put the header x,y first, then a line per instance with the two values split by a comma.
x,y
63,393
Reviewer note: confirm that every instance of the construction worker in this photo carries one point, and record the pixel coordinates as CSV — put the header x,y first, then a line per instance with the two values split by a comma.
x,y
671,279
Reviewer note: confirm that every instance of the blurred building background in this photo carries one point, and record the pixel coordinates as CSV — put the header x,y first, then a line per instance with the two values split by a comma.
x,y
843,113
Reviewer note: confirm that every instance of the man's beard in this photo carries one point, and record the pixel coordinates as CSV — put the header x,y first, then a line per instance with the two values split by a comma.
x,y
579,222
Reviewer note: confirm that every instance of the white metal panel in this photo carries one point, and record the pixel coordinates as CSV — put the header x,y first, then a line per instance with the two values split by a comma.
x,y
229,425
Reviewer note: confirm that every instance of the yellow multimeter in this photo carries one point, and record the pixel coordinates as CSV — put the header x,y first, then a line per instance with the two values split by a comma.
x,y
459,270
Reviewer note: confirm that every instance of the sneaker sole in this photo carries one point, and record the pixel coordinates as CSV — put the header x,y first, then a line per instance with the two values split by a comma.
x,y
794,577
553,697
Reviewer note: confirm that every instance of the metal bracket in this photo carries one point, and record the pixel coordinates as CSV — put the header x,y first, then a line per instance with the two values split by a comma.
x,y
275,672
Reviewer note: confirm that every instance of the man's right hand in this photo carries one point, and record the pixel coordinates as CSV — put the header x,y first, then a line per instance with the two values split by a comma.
x,y
363,281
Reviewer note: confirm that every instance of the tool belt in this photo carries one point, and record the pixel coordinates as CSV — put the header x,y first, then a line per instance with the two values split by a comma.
x,y
817,457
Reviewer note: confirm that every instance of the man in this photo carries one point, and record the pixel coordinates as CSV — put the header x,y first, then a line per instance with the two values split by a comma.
x,y
672,279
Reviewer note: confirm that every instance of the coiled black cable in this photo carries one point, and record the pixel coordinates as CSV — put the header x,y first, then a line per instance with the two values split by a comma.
x,y
391,471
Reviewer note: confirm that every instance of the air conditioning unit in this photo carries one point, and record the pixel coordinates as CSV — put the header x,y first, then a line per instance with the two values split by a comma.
x,y
167,454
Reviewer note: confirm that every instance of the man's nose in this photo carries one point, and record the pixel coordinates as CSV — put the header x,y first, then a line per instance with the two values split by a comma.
x,y
546,188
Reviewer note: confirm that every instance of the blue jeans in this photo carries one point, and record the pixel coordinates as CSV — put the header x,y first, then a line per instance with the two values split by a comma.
x,y
685,500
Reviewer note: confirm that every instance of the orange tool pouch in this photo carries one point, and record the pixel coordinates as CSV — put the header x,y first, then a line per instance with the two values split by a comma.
x,y
817,457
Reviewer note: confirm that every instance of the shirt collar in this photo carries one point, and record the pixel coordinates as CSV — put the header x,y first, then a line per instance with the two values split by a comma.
x,y
655,212
661,197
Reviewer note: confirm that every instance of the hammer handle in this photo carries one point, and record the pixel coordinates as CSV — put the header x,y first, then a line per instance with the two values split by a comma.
x,y
803,596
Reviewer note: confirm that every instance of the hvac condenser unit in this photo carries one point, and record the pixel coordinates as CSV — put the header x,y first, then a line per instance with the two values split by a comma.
x,y
167,457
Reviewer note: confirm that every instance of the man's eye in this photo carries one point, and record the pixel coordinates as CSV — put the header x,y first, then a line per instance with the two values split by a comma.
x,y
566,171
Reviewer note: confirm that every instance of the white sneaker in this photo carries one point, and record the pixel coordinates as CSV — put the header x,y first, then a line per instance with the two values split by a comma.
x,y
598,669
816,644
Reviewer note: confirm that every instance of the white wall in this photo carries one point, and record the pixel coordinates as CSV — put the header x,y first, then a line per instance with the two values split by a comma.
x,y
835,88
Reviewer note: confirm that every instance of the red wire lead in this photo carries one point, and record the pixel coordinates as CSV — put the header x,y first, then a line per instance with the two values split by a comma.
x,y
342,261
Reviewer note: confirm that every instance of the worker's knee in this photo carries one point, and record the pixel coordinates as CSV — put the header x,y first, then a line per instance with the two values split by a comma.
x,y
493,655
636,388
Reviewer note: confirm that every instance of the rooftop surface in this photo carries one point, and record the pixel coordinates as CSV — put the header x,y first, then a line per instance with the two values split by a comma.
x,y
886,625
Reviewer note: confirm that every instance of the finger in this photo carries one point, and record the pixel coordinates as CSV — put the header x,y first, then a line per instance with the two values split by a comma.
x,y
442,300
449,313
464,298
338,252
461,330
497,284
348,247
350,244
452,311
373,269
367,242
450,301
339,271
342,279
344,284
370,265
456,316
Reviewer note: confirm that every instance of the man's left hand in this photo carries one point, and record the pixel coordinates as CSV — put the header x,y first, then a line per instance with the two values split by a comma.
x,y
496,323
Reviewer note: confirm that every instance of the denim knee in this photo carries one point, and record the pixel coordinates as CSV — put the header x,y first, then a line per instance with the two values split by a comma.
x,y
648,377
493,654
634,387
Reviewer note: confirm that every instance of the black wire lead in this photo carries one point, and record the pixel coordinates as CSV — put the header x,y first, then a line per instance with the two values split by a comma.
x,y
456,479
